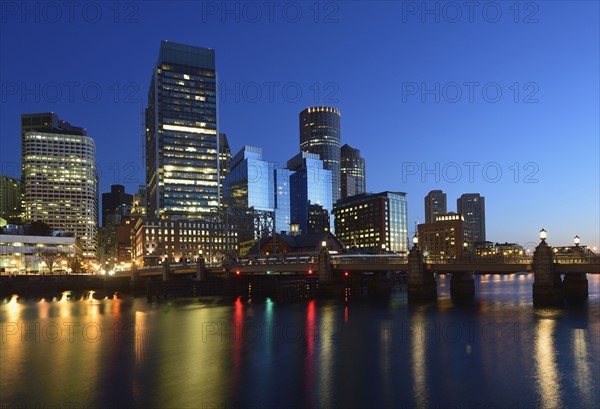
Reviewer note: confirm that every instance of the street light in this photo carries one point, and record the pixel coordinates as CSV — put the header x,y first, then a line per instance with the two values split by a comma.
x,y
415,240
576,240
323,243
543,235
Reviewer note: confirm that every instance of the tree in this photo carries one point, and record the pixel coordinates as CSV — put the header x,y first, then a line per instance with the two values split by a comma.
x,y
74,261
50,257
38,228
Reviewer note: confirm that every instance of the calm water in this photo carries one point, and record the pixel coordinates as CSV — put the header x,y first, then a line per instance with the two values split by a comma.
x,y
497,352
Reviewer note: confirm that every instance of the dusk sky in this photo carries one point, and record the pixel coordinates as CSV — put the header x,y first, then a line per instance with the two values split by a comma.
x,y
505,93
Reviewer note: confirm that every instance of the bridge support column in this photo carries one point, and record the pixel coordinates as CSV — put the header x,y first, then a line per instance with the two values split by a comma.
x,y
325,270
462,285
547,287
135,276
421,283
575,285
166,276
201,269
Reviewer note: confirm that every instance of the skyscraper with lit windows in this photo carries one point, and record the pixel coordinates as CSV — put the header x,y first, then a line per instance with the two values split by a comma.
x,y
472,207
320,134
60,184
435,204
353,174
182,143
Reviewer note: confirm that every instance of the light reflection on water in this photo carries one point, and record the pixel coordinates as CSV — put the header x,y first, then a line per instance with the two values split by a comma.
x,y
497,350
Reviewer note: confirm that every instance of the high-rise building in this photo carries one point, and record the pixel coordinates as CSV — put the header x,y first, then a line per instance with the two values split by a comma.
x,y
435,203
373,222
472,207
10,198
353,174
182,152
320,134
310,184
139,204
60,184
116,202
445,237
224,161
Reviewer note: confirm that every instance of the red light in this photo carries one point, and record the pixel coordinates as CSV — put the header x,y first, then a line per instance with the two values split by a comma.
x,y
346,274
237,272
309,271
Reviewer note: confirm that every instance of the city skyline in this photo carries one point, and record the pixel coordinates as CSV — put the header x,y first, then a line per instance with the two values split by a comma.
x,y
414,155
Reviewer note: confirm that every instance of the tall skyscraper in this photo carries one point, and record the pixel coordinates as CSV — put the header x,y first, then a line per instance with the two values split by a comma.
x,y
353,174
182,152
374,222
320,134
310,184
472,207
60,183
435,203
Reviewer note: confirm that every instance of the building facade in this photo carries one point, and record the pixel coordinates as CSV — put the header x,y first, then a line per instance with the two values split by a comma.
x,y
445,237
182,152
472,207
11,198
373,222
320,134
353,172
156,240
60,184
435,204
21,254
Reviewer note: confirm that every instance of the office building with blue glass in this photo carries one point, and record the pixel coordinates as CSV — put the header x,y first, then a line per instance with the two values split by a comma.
x,y
310,185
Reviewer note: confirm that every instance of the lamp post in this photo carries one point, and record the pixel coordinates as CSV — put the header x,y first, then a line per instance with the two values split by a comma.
x,y
576,241
415,241
543,235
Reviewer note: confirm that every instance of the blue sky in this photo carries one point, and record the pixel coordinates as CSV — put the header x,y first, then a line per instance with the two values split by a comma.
x,y
502,99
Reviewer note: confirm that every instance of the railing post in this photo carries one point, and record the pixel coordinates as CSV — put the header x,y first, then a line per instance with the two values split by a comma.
x,y
421,283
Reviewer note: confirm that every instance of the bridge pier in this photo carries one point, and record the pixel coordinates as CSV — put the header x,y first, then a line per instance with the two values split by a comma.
x,y
547,286
166,275
462,285
201,269
421,283
325,269
575,285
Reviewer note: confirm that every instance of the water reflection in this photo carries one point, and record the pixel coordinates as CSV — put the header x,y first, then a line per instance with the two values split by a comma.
x,y
418,348
124,352
549,388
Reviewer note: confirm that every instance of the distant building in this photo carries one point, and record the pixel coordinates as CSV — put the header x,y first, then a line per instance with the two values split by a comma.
x,y
374,222
182,144
11,198
116,202
353,173
320,134
310,184
59,179
139,204
155,240
445,237
435,203
472,207
318,219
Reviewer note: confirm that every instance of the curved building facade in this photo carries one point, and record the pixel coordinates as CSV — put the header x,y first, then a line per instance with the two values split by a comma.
x,y
320,134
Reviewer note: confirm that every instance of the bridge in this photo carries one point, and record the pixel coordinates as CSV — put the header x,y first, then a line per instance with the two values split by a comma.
x,y
339,269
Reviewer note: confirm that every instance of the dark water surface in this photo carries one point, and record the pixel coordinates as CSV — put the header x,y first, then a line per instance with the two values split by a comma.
x,y
495,352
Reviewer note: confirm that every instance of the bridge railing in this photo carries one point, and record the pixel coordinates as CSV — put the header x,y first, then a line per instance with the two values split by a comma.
x,y
577,259
478,260
369,259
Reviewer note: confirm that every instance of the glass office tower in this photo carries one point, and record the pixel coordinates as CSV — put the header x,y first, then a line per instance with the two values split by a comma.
x,y
60,184
310,184
320,134
472,207
182,152
353,175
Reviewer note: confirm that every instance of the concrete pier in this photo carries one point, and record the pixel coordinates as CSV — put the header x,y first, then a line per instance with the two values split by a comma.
x,y
421,283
